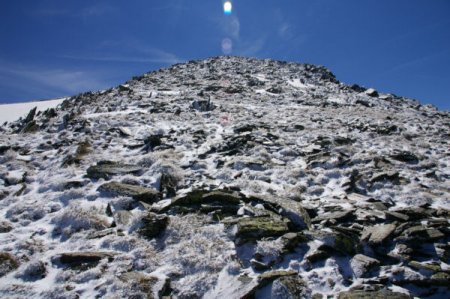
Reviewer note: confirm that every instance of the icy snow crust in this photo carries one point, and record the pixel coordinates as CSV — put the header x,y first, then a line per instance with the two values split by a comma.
x,y
308,135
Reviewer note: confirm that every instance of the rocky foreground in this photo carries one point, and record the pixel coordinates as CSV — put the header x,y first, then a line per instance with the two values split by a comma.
x,y
227,178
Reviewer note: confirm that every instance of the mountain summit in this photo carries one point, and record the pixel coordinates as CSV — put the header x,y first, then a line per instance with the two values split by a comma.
x,y
227,178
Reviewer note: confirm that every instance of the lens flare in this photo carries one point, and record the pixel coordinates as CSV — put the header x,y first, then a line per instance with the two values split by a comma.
x,y
227,7
227,46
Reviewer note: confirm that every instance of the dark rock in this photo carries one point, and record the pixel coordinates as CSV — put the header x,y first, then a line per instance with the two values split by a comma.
x,y
405,156
203,105
152,141
371,92
392,176
30,127
8,263
275,90
4,149
153,225
209,200
73,184
147,195
107,169
30,115
292,240
343,243
78,260
391,215
418,234
251,229
5,227
362,265
369,294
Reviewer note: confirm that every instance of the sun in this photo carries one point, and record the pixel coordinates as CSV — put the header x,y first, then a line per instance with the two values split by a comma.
x,y
227,7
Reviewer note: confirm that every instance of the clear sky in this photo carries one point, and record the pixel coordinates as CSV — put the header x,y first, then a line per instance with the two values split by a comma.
x,y
51,48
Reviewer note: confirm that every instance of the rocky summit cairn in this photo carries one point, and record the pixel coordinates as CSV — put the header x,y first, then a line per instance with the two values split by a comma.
x,y
227,178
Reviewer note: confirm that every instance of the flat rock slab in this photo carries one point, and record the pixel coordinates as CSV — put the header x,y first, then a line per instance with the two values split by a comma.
x,y
107,169
378,234
250,229
292,210
147,195
362,264
380,294
200,198
78,258
340,216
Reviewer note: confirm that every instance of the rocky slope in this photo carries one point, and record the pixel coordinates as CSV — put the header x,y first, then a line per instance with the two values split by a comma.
x,y
227,178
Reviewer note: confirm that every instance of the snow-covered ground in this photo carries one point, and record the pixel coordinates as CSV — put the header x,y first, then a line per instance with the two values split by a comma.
x,y
325,188
12,112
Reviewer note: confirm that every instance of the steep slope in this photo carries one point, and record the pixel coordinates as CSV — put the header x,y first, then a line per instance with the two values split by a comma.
x,y
227,178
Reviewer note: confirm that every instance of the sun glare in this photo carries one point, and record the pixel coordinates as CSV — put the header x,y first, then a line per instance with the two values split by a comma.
x,y
227,7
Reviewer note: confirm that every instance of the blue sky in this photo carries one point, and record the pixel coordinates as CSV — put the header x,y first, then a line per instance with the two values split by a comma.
x,y
52,48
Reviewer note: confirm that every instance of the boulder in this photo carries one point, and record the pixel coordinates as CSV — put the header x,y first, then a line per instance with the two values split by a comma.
x,y
147,195
268,277
371,92
153,225
292,210
362,265
8,263
107,169
251,229
378,234
291,286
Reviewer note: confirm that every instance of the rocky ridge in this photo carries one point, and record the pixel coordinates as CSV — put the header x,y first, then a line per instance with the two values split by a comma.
x,y
227,178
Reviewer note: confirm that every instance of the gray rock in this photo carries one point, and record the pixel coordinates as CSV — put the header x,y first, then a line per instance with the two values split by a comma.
x,y
268,277
290,287
376,235
292,210
107,169
362,265
153,225
122,217
251,229
369,294
336,217
8,263
147,195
